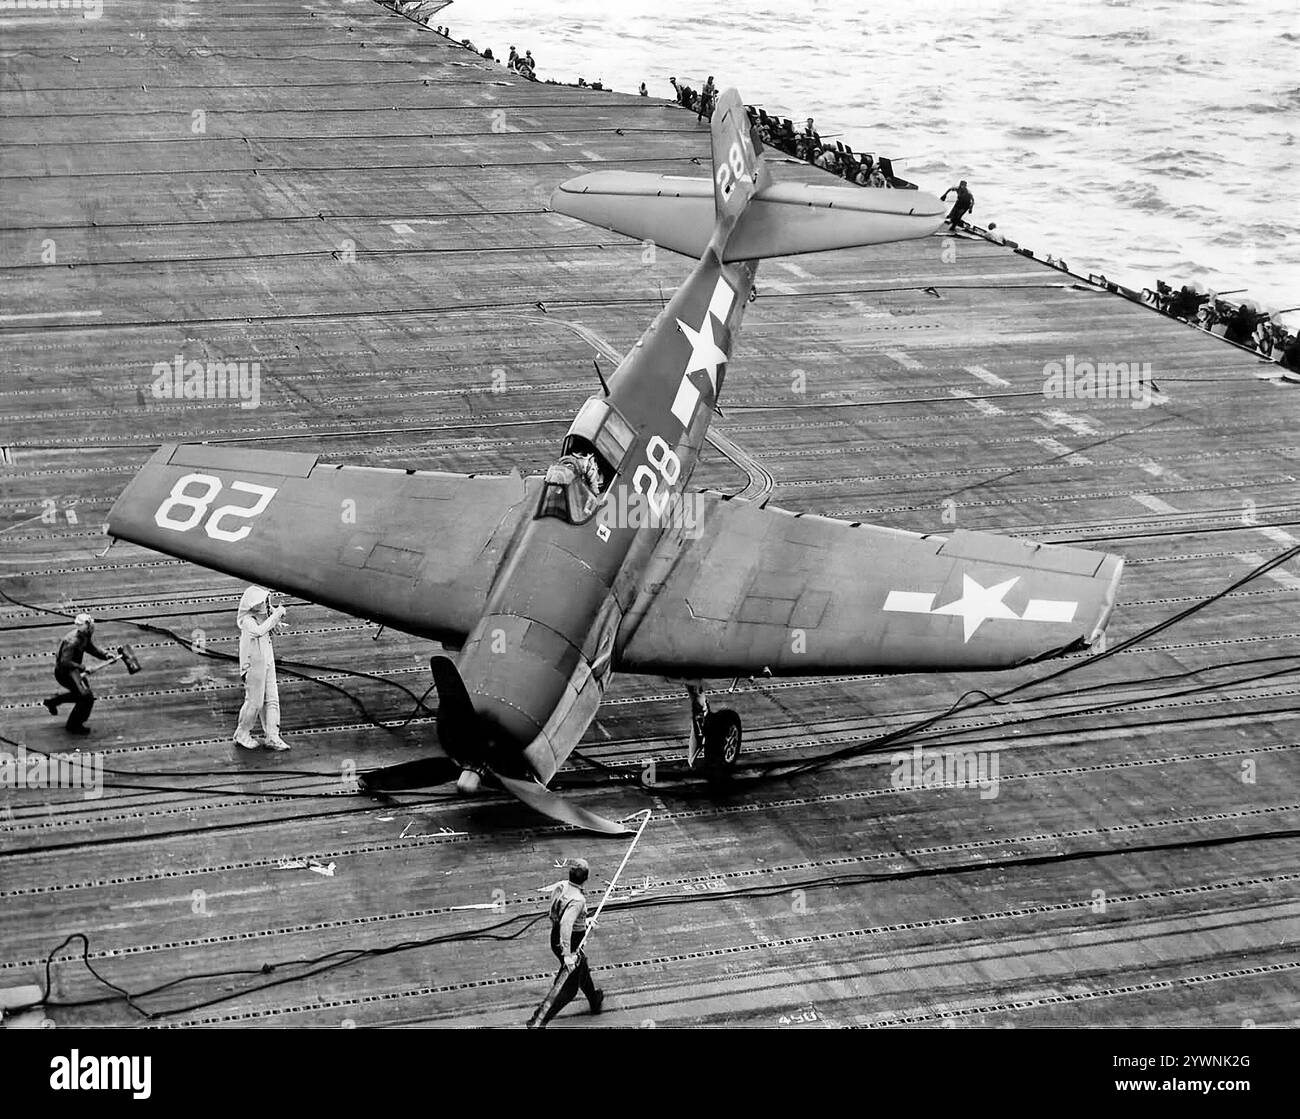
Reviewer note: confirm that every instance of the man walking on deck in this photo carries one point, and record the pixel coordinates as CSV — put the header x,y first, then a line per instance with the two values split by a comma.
x,y
964,204
69,672
707,97
568,929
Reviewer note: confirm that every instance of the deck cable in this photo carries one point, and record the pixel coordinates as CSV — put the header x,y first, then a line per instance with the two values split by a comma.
x,y
525,921
301,670
766,771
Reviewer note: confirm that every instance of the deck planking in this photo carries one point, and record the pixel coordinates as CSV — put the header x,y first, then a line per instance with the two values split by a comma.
x,y
368,222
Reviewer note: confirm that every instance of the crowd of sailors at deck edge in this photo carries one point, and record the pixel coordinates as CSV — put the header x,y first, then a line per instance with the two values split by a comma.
x,y
1244,323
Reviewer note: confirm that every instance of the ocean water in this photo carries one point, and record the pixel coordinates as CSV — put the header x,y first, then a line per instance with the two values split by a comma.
x,y
1138,138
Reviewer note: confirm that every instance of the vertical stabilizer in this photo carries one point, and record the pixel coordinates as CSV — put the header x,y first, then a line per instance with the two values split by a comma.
x,y
739,171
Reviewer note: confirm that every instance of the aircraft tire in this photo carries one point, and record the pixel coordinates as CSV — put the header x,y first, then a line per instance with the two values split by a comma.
x,y
722,740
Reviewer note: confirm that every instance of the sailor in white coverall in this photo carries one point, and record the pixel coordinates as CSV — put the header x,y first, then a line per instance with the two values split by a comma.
x,y
257,668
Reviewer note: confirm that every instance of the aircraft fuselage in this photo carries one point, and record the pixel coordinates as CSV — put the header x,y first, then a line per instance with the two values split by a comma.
x,y
537,664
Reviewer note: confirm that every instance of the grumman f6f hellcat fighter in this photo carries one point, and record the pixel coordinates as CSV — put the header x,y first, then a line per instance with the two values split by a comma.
x,y
549,585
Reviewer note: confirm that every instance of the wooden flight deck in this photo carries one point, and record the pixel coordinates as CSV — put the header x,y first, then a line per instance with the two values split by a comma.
x,y
358,206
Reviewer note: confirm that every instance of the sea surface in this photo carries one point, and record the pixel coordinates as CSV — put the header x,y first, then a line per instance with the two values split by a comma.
x,y
1135,138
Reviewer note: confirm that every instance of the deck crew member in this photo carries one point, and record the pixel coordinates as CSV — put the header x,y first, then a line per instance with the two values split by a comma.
x,y
1242,323
707,97
257,668
964,204
1290,358
1188,302
568,927
69,672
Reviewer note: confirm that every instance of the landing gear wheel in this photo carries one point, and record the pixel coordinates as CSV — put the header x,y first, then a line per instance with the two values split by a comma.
x,y
722,738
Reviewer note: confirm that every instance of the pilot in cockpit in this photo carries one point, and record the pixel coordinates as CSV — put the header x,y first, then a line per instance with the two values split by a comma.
x,y
573,485
589,469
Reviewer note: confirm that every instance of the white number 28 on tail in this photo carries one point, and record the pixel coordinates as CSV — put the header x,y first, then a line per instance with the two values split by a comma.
x,y
193,493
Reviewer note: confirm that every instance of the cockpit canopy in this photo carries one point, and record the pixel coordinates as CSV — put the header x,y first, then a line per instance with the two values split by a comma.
x,y
590,459
572,488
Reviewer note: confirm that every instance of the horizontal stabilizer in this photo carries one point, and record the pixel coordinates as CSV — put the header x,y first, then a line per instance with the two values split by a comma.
x,y
783,219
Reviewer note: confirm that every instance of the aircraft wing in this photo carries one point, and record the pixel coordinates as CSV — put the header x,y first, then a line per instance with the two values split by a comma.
x,y
414,550
762,588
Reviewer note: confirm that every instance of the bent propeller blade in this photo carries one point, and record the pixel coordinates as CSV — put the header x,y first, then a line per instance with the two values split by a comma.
x,y
541,799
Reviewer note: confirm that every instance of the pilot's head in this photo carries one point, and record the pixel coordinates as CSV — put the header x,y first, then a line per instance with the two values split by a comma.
x,y
578,871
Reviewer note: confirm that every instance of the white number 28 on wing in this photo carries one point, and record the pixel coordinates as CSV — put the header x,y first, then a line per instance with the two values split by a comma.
x,y
195,492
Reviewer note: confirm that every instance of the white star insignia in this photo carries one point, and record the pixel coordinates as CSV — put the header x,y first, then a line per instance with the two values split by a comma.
x,y
978,604
706,354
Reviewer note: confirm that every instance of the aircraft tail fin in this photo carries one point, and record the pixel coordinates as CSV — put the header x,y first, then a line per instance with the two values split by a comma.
x,y
739,170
